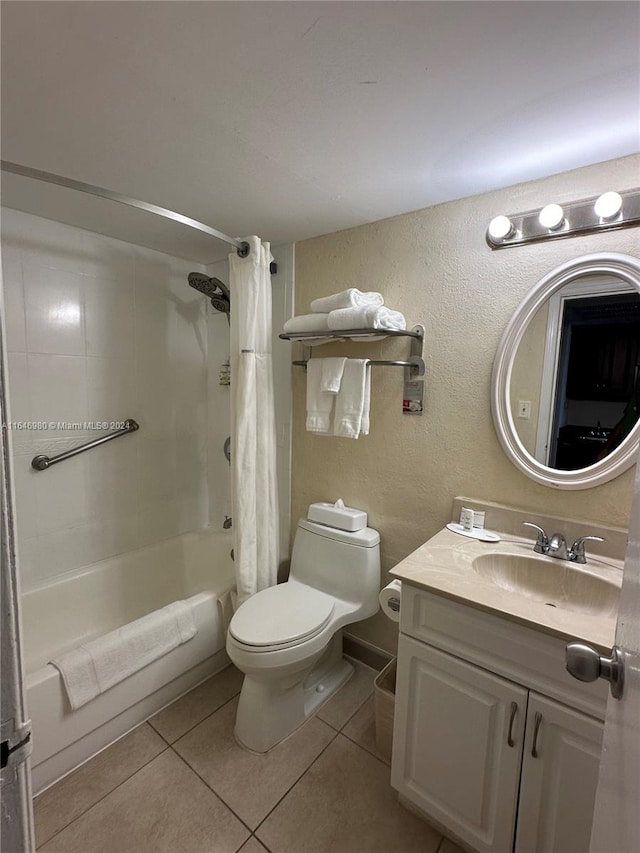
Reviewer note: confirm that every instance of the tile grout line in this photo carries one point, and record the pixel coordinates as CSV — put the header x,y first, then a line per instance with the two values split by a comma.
x,y
88,809
301,776
336,733
372,754
214,792
195,725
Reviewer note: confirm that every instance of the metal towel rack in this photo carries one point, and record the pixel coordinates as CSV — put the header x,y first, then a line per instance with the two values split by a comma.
x,y
414,364
42,462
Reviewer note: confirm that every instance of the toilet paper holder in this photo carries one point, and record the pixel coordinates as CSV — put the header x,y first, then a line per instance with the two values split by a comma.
x,y
394,604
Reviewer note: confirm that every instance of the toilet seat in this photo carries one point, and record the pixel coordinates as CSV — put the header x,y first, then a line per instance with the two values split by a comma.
x,y
281,616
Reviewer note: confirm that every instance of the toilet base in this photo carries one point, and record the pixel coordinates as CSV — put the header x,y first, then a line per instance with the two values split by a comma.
x,y
270,710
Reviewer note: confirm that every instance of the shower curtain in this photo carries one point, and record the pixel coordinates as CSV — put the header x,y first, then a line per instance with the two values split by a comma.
x,y
254,490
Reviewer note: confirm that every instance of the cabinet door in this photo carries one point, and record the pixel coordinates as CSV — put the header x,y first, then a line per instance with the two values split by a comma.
x,y
457,747
559,779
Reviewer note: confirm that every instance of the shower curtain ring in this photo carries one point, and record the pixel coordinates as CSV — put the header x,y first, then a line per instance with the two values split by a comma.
x,y
243,250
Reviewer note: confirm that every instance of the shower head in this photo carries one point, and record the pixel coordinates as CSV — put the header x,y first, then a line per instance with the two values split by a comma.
x,y
207,285
216,290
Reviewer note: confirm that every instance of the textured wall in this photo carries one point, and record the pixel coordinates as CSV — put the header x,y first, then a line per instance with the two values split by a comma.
x,y
435,266
526,378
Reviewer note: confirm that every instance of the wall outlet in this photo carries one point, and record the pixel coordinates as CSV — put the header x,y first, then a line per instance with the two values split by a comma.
x,y
524,409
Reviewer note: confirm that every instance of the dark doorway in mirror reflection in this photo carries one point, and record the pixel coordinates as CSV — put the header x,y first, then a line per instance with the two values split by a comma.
x,y
598,392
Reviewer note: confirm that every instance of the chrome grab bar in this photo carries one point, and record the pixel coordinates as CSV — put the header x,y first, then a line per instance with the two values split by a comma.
x,y
42,462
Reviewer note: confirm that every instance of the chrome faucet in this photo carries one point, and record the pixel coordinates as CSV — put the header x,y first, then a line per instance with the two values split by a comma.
x,y
577,549
557,546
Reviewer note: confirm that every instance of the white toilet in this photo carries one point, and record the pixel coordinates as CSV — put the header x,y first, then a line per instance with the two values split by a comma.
x,y
287,639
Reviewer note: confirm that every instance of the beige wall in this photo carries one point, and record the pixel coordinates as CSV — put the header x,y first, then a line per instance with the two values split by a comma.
x,y
526,377
435,266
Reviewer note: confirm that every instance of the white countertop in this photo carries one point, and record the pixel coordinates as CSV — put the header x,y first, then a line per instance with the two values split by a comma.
x,y
444,566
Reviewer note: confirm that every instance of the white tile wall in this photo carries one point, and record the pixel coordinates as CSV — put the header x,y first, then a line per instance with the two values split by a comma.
x,y
101,330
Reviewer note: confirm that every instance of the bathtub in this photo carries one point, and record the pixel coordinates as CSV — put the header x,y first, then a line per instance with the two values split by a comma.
x,y
107,595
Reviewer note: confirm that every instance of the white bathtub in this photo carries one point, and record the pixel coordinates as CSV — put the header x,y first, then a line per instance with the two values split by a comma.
x,y
109,594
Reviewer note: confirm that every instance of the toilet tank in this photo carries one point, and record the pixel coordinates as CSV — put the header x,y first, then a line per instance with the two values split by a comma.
x,y
341,563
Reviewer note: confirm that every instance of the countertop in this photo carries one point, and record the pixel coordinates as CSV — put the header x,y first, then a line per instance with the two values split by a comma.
x,y
444,566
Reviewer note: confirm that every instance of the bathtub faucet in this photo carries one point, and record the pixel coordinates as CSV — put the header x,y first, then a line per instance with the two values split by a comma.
x,y
228,521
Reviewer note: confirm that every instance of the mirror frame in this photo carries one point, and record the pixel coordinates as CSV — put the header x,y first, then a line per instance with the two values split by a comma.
x,y
622,457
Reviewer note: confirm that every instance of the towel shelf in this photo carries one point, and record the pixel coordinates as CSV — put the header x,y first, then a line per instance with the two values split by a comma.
x,y
344,334
414,364
42,462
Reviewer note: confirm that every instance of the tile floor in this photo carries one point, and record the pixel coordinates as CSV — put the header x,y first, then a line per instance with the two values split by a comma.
x,y
181,784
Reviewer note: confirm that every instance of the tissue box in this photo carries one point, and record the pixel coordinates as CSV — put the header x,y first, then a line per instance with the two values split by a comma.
x,y
334,515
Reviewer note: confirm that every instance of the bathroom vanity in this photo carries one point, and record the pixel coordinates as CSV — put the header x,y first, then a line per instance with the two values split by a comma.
x,y
494,741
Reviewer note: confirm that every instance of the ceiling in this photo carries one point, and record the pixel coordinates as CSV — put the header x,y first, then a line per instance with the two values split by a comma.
x,y
293,119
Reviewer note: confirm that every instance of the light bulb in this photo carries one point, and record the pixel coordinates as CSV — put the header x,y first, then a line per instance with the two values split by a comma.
x,y
500,228
551,217
608,205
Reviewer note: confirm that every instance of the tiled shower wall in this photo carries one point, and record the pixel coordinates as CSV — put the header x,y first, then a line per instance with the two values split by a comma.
x,y
102,330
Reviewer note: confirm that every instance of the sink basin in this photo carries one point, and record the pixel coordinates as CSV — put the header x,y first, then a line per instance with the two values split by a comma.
x,y
557,583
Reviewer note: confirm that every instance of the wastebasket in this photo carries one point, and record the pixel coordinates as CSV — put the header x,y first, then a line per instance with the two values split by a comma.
x,y
384,698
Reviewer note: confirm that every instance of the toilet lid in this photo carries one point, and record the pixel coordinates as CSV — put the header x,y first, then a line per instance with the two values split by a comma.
x,y
280,615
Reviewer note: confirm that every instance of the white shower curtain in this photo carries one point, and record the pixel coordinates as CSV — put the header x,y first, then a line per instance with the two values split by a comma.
x,y
254,486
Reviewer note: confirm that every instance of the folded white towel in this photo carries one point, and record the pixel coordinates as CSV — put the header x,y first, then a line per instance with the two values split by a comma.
x,y
94,667
350,298
319,403
350,400
366,318
332,370
307,323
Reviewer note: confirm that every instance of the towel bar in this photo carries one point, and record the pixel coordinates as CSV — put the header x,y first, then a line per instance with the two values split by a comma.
x,y
42,462
415,363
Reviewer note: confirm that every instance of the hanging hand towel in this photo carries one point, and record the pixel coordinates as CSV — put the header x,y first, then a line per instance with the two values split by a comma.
x,y
351,399
364,425
319,403
366,318
332,370
94,667
351,298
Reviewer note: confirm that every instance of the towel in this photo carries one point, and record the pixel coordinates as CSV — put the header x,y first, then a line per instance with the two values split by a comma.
x,y
351,298
364,425
366,318
332,370
319,402
350,400
307,323
94,667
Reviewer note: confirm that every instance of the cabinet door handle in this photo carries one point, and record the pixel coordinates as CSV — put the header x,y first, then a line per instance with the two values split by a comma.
x,y
514,711
536,730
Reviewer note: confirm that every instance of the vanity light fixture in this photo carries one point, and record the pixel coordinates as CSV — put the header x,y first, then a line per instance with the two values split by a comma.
x,y
501,227
600,213
552,217
608,205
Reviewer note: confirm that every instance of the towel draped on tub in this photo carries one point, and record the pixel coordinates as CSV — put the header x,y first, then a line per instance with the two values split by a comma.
x,y
94,667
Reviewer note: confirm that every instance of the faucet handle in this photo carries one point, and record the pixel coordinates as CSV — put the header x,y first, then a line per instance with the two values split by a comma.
x,y
577,553
542,542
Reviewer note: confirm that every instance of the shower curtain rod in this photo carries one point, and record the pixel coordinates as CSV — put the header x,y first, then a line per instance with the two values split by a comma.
x,y
69,183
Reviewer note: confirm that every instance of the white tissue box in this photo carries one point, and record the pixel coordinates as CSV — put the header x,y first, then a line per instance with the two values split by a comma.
x,y
342,517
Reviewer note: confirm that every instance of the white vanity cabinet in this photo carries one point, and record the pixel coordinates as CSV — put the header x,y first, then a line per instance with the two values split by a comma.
x,y
559,778
486,744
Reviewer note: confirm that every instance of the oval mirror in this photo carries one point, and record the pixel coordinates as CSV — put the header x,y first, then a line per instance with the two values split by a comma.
x,y
566,379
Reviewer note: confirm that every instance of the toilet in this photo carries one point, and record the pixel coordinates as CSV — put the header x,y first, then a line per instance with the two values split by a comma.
x,y
287,639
